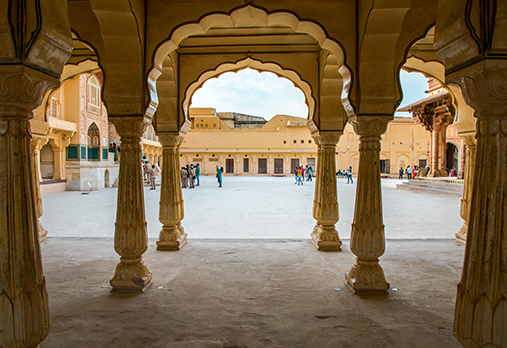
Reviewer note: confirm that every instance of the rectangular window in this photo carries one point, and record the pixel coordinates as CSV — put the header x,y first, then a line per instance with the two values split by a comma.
x,y
278,165
246,165
263,165
422,163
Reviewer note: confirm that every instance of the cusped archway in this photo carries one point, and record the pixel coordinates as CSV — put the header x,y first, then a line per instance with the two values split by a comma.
x,y
256,65
234,39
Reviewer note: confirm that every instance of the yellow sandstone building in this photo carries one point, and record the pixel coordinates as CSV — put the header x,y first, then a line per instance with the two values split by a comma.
x,y
259,147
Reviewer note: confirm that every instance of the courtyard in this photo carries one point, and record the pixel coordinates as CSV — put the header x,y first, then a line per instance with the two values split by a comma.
x,y
249,275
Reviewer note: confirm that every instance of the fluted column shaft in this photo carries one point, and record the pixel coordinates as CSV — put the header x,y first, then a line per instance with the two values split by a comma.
x,y
325,202
481,304
130,235
367,240
172,236
24,315
467,185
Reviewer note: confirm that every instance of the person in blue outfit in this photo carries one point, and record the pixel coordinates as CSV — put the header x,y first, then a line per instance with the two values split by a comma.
x,y
197,173
219,177
349,175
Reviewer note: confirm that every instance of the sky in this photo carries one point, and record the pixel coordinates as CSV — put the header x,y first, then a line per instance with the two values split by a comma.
x,y
265,94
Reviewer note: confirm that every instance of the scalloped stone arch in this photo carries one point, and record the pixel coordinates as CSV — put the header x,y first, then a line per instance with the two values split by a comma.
x,y
259,66
250,16
437,70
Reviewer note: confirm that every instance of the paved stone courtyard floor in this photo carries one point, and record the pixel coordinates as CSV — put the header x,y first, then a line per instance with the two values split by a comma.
x,y
255,208
249,276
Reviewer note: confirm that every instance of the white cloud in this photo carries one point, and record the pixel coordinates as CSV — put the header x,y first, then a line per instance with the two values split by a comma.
x,y
251,92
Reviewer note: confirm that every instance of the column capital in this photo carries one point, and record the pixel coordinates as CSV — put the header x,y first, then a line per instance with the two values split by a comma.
x,y
170,139
130,126
22,89
370,126
486,92
327,137
37,142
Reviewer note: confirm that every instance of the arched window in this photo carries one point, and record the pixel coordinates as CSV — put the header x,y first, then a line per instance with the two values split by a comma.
x,y
94,95
93,143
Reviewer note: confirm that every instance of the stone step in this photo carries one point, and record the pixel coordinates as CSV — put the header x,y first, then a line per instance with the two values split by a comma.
x,y
434,187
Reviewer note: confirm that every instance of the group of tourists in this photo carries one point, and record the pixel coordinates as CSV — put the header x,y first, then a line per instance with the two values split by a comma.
x,y
301,173
411,172
115,150
190,175
150,172
346,173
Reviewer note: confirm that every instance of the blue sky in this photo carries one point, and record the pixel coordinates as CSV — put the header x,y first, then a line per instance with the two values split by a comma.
x,y
265,94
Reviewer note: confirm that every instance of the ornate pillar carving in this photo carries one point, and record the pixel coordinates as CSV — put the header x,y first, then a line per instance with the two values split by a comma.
x,y
367,240
24,316
36,144
130,235
325,203
172,236
469,141
481,305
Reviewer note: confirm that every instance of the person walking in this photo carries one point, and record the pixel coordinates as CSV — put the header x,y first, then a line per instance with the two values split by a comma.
x,y
295,175
409,172
310,172
349,175
197,173
153,177
302,173
401,173
219,177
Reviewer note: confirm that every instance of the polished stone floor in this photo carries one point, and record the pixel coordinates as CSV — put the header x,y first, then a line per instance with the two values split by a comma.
x,y
249,276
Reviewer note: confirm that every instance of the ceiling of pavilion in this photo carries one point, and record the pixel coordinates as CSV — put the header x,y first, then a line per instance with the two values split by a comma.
x,y
251,39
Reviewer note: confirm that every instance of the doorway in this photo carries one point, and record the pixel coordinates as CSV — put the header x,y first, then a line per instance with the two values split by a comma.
x,y
47,164
278,165
263,165
294,162
452,156
229,165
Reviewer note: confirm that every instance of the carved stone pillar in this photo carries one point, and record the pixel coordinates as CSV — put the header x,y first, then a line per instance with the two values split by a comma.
x,y
172,236
467,185
434,154
130,235
24,316
462,160
325,204
367,240
481,304
36,144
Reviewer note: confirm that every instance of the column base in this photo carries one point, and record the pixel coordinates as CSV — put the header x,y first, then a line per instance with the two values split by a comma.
x,y
367,277
461,236
42,232
131,276
438,174
326,238
171,238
